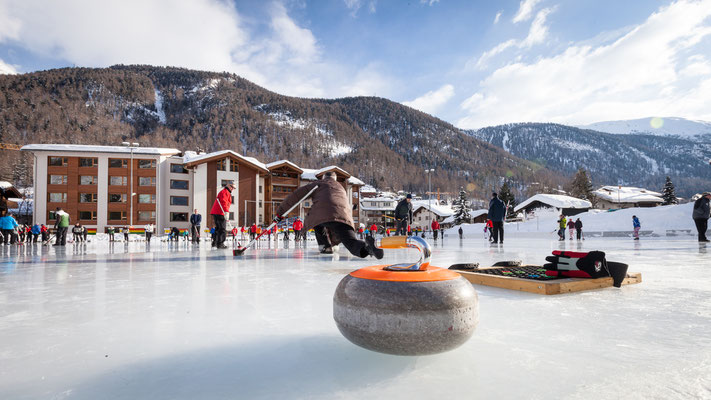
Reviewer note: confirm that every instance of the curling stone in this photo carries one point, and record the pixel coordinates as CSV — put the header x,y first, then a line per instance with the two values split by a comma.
x,y
406,309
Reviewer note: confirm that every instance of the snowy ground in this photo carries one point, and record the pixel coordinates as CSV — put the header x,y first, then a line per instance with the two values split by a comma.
x,y
100,321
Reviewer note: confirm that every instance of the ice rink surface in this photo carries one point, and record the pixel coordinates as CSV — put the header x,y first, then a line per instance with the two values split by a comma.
x,y
95,321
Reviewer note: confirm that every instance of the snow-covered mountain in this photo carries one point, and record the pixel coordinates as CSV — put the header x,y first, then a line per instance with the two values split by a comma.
x,y
671,126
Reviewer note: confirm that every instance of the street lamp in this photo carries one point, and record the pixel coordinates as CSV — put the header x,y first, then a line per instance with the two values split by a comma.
x,y
429,188
132,146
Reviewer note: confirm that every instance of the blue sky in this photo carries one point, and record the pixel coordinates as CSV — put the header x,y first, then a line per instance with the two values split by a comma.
x,y
472,63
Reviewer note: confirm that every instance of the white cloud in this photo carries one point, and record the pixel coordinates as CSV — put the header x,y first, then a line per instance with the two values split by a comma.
x,y
355,5
199,34
525,10
640,74
429,2
7,69
432,100
367,81
497,17
537,34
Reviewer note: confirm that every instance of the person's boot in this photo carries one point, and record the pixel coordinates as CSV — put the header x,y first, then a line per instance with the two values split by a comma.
x,y
372,250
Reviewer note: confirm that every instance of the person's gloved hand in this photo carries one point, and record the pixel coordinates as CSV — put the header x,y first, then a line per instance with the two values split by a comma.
x,y
278,218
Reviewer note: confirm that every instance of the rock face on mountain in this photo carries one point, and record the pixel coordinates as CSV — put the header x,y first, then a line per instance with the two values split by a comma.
x,y
382,142
629,159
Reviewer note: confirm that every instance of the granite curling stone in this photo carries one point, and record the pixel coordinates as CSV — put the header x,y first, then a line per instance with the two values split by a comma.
x,y
420,311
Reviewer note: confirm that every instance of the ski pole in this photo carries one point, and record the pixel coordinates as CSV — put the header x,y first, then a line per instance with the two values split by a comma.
x,y
240,250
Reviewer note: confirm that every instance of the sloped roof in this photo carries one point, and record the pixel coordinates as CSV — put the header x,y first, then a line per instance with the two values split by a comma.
x,y
10,189
555,200
315,174
99,149
278,163
439,210
628,194
355,181
191,160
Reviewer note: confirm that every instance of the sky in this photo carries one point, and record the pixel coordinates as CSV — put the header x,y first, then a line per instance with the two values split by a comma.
x,y
473,63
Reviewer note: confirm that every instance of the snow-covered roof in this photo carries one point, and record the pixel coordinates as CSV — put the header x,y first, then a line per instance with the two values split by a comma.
x,y
628,194
368,189
439,210
472,214
283,162
388,204
99,149
10,189
355,181
5,185
312,174
555,200
192,158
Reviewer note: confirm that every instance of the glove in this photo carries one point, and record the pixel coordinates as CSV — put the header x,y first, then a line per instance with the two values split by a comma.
x,y
278,218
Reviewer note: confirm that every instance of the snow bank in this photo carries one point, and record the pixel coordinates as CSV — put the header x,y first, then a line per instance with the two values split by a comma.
x,y
657,221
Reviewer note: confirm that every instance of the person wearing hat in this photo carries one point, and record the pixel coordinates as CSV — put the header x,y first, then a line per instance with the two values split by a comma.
x,y
701,215
219,209
497,213
403,215
330,216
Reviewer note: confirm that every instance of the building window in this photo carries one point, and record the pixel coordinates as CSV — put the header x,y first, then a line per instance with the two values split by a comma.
x,y
147,198
176,184
118,180
146,181
52,216
118,163
57,197
117,215
221,164
260,188
147,164
88,162
87,197
178,200
87,215
234,167
57,179
260,204
87,180
57,161
146,215
178,169
117,197
178,217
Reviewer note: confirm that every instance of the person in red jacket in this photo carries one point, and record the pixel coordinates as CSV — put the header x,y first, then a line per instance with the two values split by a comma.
x,y
219,209
373,230
253,231
435,228
298,226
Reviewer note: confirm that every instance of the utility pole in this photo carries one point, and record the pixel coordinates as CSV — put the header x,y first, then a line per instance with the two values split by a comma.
x,y
429,189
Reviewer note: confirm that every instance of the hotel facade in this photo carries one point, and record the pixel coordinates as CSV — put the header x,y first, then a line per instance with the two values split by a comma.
x,y
119,186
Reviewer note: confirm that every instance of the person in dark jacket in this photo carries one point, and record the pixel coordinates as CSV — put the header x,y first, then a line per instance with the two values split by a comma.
x,y
77,233
219,212
195,222
701,215
497,213
403,215
579,228
330,216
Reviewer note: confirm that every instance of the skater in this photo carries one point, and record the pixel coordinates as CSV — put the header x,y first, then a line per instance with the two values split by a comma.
x,y
579,228
461,233
435,228
701,215
44,231
7,225
489,228
126,231
220,207
76,233
242,233
61,225
174,234
571,228
636,225
36,230
21,234
195,222
298,226
84,233
252,231
235,231
148,230
331,217
409,230
562,224
286,233
387,232
497,213
212,237
373,230
403,214
111,230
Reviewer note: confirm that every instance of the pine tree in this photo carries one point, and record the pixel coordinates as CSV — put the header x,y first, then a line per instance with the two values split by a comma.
x,y
669,193
461,213
581,186
507,197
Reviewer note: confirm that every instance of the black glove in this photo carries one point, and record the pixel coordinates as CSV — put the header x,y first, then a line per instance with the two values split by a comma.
x,y
278,218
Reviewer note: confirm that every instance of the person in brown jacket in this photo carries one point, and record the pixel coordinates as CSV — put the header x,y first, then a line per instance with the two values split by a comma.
x,y
330,217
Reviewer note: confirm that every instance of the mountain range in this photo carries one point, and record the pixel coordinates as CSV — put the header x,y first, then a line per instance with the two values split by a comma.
x,y
667,126
384,143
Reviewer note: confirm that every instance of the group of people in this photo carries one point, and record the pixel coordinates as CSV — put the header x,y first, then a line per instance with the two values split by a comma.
x,y
14,233
572,226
